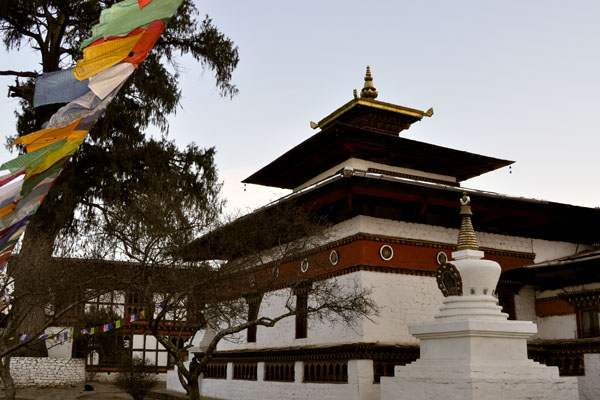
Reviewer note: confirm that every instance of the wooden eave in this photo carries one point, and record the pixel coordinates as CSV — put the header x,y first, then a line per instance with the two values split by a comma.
x,y
340,142
342,198
578,269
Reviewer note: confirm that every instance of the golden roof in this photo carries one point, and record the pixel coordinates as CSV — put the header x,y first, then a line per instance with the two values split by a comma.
x,y
367,100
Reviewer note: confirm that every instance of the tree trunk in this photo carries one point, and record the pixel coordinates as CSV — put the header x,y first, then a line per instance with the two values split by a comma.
x,y
194,392
10,391
30,285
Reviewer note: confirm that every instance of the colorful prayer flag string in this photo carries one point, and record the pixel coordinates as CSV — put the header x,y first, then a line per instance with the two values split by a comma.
x,y
128,320
120,41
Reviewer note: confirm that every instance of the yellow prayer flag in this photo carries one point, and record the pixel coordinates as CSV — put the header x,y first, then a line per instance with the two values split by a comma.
x,y
39,139
118,324
52,157
6,209
104,55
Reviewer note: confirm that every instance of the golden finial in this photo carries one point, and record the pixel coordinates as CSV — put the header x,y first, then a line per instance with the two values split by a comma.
x,y
466,236
369,90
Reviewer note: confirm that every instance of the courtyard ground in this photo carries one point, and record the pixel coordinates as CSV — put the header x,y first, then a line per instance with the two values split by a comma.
x,y
102,391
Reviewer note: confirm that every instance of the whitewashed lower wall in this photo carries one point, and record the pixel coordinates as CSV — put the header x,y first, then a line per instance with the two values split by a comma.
x,y
360,385
283,334
525,304
47,372
557,327
59,349
403,300
589,387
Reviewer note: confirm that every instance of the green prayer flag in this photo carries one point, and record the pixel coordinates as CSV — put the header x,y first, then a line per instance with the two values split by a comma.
x,y
31,159
51,172
126,16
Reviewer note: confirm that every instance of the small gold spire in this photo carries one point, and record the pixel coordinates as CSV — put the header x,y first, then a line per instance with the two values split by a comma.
x,y
466,236
369,90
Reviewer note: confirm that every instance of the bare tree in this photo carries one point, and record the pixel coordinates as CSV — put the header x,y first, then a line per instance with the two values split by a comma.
x,y
208,283
57,291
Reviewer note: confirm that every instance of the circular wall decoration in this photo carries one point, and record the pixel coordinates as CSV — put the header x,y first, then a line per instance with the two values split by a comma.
x,y
334,257
441,258
275,272
449,280
386,252
304,265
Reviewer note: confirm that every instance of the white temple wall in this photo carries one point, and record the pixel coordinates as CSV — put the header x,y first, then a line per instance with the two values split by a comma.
x,y
588,384
360,385
557,327
543,249
525,304
284,332
403,300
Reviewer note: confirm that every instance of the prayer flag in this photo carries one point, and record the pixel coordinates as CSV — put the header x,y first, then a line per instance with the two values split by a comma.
x,y
143,3
103,83
31,159
105,55
58,87
125,16
42,138
4,179
51,157
146,43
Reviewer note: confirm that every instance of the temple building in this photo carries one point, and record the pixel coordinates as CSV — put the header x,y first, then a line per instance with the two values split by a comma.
x,y
393,205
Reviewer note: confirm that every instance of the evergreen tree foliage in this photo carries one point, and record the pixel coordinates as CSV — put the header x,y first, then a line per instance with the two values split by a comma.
x,y
118,162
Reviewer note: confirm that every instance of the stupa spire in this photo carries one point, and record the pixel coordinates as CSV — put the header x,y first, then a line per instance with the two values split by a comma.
x,y
369,90
466,236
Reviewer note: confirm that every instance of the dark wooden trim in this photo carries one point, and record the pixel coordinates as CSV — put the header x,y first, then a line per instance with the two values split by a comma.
x,y
356,351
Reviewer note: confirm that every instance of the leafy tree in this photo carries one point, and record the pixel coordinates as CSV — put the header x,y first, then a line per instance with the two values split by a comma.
x,y
117,163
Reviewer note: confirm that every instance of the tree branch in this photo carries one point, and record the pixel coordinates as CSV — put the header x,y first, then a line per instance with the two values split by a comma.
x,y
23,74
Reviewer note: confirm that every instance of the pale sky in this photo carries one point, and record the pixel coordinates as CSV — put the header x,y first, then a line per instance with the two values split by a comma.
x,y
517,80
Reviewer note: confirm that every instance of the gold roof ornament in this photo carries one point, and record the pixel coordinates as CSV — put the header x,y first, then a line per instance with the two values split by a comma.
x,y
466,236
369,90
365,112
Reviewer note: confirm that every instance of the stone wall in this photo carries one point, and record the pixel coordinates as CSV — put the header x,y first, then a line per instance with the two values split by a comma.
x,y
47,372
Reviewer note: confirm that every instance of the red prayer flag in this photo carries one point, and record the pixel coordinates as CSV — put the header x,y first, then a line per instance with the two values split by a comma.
x,y
146,42
143,3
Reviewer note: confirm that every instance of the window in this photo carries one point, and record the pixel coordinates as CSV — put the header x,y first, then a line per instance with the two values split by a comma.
x,y
148,348
253,307
113,302
588,322
587,305
301,315
135,303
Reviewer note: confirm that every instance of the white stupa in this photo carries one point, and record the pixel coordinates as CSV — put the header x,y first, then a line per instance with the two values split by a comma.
x,y
471,350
